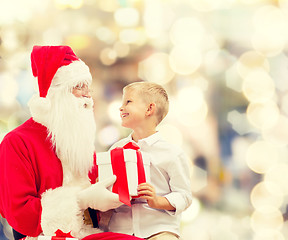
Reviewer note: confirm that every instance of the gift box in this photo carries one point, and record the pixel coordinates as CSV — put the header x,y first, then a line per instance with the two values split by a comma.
x,y
130,166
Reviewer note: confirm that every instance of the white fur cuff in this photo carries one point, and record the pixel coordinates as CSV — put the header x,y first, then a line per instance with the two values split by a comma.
x,y
60,211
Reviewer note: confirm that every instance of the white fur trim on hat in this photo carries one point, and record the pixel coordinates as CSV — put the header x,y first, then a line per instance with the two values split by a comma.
x,y
72,74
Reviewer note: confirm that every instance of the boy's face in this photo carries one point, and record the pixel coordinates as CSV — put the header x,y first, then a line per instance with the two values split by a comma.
x,y
133,110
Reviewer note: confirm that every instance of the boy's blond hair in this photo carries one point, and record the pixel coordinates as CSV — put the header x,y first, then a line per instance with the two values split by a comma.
x,y
152,93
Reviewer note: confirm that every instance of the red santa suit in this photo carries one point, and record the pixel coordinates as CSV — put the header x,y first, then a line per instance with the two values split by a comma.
x,y
34,197
29,166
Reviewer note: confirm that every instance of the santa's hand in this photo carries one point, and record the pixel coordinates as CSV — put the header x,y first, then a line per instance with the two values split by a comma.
x,y
98,197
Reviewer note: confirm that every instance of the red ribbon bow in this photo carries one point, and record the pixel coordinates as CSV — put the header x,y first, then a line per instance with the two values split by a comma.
x,y
119,169
61,235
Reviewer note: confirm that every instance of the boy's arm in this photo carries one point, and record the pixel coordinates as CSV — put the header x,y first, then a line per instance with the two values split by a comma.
x,y
147,191
180,196
180,183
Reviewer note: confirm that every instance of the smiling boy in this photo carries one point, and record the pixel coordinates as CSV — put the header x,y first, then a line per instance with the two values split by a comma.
x,y
156,213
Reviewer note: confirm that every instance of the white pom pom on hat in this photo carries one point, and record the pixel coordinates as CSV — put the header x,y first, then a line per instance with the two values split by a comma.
x,y
39,107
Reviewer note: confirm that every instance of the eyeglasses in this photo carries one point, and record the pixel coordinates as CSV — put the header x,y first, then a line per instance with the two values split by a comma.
x,y
82,87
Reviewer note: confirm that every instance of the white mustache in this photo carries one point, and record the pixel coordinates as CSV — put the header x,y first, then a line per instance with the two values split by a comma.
x,y
85,102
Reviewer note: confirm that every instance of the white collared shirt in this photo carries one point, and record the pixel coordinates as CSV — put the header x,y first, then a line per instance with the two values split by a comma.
x,y
169,174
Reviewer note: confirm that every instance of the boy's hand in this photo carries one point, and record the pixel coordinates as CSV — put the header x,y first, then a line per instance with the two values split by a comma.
x,y
147,191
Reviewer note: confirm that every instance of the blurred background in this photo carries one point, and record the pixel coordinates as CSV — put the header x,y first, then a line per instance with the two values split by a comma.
x,y
224,65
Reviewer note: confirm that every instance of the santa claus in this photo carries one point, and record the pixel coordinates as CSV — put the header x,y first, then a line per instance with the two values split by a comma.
x,y
46,161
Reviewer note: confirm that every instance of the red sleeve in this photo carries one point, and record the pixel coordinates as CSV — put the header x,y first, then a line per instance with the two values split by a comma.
x,y
19,200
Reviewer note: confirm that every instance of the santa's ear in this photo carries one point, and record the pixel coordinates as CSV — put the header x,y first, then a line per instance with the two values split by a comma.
x,y
150,109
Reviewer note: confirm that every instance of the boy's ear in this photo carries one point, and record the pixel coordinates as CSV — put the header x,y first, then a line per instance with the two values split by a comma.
x,y
151,109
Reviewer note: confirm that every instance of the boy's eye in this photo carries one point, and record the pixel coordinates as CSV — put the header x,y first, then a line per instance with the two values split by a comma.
x,y
128,101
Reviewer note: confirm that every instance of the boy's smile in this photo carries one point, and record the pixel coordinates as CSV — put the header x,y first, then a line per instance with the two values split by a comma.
x,y
123,115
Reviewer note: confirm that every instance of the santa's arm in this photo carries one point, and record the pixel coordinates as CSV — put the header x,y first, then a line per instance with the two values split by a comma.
x,y
30,213
19,201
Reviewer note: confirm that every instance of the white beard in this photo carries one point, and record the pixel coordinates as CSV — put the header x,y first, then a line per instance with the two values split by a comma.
x,y
72,128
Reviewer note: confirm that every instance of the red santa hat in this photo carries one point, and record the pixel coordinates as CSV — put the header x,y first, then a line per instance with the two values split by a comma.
x,y
55,66
47,61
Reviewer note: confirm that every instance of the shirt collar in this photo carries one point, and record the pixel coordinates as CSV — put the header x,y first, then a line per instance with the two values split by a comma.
x,y
148,140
